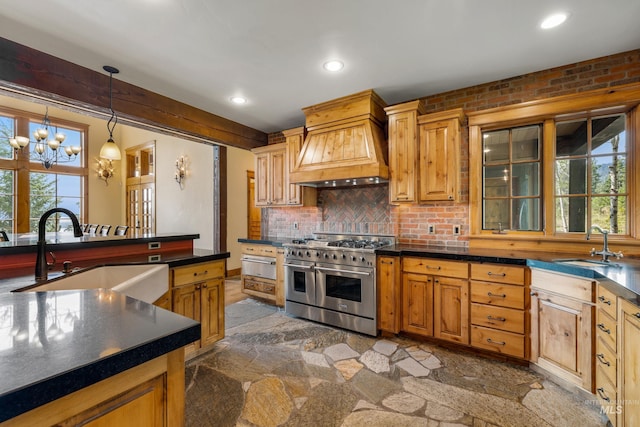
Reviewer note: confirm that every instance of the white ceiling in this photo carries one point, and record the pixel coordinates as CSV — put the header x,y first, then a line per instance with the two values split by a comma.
x,y
202,52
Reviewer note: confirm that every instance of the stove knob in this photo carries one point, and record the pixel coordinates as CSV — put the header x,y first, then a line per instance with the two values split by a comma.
x,y
363,259
335,256
307,253
344,256
299,253
353,257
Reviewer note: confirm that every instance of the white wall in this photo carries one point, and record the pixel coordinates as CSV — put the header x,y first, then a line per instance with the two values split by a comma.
x,y
238,163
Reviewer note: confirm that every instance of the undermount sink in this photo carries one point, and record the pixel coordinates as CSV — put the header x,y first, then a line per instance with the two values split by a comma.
x,y
146,282
590,263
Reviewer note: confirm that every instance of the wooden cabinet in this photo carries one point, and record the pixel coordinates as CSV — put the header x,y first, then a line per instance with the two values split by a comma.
x,y
272,166
269,289
629,353
403,150
424,153
297,195
271,175
198,293
498,302
562,308
606,360
439,156
151,394
435,299
141,191
389,293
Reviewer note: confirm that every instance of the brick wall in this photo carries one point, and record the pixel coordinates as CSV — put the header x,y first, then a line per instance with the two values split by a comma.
x,y
346,211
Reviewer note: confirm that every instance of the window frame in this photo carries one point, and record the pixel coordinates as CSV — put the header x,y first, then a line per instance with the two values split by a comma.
x,y
624,99
22,166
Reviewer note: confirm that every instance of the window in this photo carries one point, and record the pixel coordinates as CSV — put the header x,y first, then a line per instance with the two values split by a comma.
x,y
553,168
26,182
511,179
590,174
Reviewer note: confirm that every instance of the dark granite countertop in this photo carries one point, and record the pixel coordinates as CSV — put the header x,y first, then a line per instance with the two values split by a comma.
x,y
624,272
272,241
27,243
54,343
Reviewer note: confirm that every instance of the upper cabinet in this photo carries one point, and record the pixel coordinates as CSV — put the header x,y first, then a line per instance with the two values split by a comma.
x,y
272,165
424,153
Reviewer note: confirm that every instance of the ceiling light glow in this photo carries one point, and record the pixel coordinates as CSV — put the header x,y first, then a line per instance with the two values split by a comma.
x,y
553,21
333,65
238,100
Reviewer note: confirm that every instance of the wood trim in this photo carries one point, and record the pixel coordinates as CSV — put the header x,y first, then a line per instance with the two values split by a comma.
x,y
27,72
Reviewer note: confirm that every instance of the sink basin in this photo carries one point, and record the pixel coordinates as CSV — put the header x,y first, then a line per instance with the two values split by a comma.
x,y
146,282
590,263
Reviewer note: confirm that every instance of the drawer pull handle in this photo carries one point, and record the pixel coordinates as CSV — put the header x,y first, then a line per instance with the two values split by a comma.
x,y
602,360
604,300
490,341
496,295
604,328
249,249
386,262
603,396
433,268
202,273
496,274
637,315
499,319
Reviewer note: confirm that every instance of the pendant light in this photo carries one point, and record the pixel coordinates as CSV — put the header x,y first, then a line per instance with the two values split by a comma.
x,y
110,150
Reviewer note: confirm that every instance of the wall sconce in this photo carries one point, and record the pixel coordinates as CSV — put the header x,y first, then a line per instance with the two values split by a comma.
x,y
105,170
181,170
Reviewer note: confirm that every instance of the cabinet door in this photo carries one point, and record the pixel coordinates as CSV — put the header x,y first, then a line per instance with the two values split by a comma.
x,y
262,181
629,381
417,296
389,302
279,179
186,301
294,144
561,337
212,311
439,151
451,309
403,155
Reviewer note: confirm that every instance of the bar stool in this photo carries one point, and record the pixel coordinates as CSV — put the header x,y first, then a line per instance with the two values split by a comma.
x,y
93,228
104,230
120,230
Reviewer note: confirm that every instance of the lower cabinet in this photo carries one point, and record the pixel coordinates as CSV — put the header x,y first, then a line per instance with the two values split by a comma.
x,y
389,293
562,309
629,353
606,360
198,293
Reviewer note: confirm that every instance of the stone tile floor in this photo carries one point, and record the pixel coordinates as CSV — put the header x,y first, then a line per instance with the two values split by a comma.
x,y
275,370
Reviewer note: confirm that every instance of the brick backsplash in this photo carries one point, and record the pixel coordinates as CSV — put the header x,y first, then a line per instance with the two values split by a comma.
x,y
366,209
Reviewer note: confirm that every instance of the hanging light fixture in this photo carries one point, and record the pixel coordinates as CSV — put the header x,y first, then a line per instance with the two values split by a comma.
x,y
110,150
46,150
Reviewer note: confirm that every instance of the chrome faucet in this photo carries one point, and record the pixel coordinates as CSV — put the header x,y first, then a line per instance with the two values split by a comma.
x,y
605,252
41,258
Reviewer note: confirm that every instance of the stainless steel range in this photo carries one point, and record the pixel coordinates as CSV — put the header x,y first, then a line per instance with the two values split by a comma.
x,y
332,279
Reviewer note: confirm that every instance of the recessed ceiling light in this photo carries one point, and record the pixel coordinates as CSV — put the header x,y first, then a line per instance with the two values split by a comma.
x,y
553,20
238,100
333,65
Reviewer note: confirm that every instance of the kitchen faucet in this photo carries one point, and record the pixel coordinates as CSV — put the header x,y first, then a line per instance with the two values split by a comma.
x,y
41,257
605,252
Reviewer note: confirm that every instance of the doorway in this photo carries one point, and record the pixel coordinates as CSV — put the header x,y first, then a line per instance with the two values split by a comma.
x,y
254,214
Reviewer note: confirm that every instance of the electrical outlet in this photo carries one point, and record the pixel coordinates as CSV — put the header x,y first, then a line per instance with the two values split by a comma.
x,y
432,229
295,225
456,229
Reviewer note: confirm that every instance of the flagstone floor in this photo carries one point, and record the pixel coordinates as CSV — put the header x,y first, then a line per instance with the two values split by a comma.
x,y
275,370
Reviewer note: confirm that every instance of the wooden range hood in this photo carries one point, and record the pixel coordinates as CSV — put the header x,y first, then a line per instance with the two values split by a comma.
x,y
345,143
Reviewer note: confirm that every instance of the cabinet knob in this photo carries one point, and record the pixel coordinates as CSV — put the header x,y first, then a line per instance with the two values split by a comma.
x,y
533,294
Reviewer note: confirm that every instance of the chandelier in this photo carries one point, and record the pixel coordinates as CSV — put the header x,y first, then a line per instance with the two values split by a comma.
x,y
47,151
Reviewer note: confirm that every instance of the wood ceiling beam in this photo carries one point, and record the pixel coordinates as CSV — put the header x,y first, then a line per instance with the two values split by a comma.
x,y
27,71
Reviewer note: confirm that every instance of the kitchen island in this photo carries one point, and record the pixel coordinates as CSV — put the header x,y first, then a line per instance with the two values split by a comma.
x,y
70,356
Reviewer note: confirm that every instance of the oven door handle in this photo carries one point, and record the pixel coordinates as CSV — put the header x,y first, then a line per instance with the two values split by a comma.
x,y
301,267
361,273
257,261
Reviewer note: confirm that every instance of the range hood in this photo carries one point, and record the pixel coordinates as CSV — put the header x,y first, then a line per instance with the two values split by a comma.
x,y
345,143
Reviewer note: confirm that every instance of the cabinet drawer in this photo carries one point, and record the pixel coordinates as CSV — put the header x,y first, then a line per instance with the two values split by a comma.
x,y
436,267
262,250
607,302
498,341
511,296
559,283
197,273
606,360
606,328
498,273
506,319
606,394
252,284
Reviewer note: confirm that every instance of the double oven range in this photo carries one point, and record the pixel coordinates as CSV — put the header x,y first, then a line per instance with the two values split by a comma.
x,y
332,279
